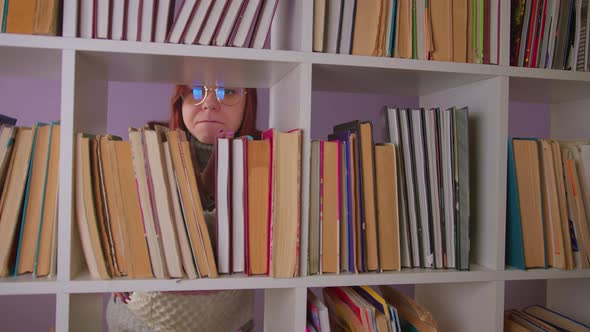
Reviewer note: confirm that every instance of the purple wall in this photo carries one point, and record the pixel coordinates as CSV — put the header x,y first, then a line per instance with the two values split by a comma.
x,y
32,100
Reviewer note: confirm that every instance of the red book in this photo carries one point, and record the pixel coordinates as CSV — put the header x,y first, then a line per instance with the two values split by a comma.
x,y
531,33
539,33
486,32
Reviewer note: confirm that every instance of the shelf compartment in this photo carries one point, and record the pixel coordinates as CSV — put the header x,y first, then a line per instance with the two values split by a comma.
x,y
516,274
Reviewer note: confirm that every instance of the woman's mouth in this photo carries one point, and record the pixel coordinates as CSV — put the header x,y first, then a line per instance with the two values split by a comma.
x,y
207,121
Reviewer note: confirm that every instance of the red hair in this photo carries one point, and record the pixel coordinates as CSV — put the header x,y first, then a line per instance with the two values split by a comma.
x,y
248,126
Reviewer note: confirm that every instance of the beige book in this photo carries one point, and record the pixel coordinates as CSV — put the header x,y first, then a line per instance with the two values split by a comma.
x,y
46,17
102,216
576,206
404,30
150,221
161,196
258,168
12,197
460,23
370,216
387,210
49,216
183,240
409,310
553,234
286,194
206,243
368,28
33,204
19,18
330,216
86,211
114,203
442,34
526,159
319,25
137,253
562,200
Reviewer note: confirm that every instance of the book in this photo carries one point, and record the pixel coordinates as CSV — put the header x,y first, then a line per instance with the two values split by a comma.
x,y
462,191
12,197
19,17
435,184
164,14
460,16
118,20
330,206
314,210
555,318
214,20
563,207
47,17
245,25
7,134
285,205
448,187
223,163
233,11
198,22
442,30
182,17
7,120
101,25
332,29
319,24
387,207
369,28
347,26
263,23
148,15
258,182
134,20
239,203
409,310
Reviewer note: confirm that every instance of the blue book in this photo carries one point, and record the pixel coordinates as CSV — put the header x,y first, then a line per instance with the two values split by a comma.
x,y
392,29
7,120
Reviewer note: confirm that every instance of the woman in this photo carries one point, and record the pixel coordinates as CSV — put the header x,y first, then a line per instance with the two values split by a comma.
x,y
204,112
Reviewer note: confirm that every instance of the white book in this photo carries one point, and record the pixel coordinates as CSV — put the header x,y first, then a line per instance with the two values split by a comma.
x,y
347,26
408,154
222,205
180,21
238,196
133,18
161,198
263,23
433,176
196,23
229,20
188,262
421,30
247,23
552,32
212,21
448,186
102,18
86,18
162,20
393,125
544,43
333,25
147,20
118,20
421,163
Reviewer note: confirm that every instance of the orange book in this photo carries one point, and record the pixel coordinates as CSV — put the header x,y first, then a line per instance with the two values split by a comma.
x,y
442,33
460,26
258,170
19,18
387,211
369,28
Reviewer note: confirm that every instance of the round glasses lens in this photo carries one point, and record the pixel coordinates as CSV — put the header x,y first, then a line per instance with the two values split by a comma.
x,y
231,96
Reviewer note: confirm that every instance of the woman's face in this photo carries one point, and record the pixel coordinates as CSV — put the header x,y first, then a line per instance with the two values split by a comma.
x,y
206,119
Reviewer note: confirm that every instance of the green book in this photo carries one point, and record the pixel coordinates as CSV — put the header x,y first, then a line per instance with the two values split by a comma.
x,y
478,31
4,15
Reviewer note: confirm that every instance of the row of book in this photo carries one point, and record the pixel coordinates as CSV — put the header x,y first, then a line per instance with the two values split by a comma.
x,y
442,30
148,184
550,34
540,318
29,163
547,222
361,308
433,185
31,17
238,23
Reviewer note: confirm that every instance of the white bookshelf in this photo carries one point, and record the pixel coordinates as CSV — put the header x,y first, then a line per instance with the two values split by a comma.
x,y
460,300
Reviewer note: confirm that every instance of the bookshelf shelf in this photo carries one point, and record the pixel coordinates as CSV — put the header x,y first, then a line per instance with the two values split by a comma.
x,y
461,300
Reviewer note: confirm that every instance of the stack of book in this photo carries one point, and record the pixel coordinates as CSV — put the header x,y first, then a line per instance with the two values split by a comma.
x,y
550,34
238,23
31,17
539,318
442,30
29,163
548,194
361,308
148,183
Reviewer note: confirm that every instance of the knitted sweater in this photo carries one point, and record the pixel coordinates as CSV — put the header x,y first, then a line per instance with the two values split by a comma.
x,y
223,311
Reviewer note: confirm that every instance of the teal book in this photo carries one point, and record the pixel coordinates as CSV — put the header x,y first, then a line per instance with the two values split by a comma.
x,y
4,15
26,199
514,245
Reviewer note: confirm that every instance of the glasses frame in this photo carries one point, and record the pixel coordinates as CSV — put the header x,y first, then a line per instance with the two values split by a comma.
x,y
219,94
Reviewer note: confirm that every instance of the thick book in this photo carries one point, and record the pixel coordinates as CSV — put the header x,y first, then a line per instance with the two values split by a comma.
x,y
239,203
223,205
245,25
387,207
214,20
347,26
442,33
314,210
47,17
19,18
435,184
319,24
258,179
285,206
263,23
330,206
164,14
332,29
369,28
182,18
198,22
463,193
233,11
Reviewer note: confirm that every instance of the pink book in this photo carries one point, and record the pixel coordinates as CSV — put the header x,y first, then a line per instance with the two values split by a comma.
x,y
269,135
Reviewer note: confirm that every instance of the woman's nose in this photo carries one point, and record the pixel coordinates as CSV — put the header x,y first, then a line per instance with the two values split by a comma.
x,y
211,102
